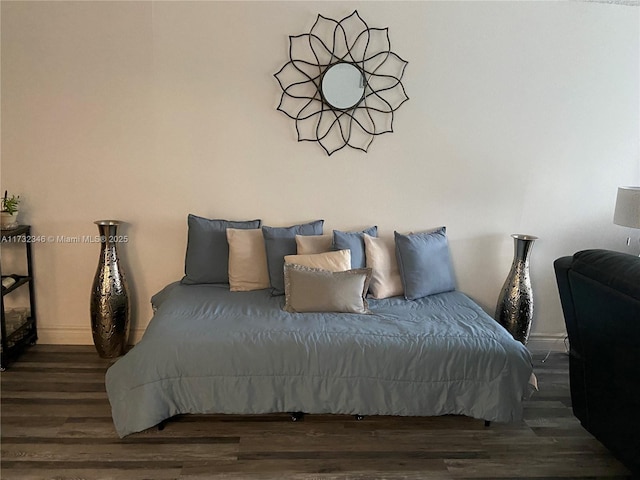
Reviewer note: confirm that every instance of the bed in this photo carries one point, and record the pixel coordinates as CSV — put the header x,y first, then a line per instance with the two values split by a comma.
x,y
211,350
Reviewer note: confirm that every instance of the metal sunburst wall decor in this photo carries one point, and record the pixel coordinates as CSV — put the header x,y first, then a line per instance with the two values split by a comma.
x,y
342,83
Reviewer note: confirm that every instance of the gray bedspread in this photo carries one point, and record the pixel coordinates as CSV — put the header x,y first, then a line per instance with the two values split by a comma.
x,y
209,350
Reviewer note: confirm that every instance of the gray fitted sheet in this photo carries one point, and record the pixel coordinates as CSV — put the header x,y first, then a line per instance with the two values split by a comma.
x,y
209,350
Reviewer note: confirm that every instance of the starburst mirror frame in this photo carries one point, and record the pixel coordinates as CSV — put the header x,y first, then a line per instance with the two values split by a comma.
x,y
342,83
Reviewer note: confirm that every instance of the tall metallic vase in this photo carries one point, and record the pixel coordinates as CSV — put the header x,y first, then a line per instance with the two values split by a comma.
x,y
110,308
515,303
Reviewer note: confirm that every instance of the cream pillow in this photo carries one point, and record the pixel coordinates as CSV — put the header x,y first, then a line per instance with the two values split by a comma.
x,y
385,276
337,261
307,244
315,290
247,260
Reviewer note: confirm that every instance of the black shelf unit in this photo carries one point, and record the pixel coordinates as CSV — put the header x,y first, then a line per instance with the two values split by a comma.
x,y
15,338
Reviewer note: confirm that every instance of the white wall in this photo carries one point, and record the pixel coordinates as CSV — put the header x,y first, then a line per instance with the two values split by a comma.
x,y
523,118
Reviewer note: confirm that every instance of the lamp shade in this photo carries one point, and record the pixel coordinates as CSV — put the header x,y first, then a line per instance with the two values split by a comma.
x,y
627,211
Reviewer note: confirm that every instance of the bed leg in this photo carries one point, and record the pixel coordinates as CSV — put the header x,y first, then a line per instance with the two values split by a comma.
x,y
161,425
487,423
297,416
359,417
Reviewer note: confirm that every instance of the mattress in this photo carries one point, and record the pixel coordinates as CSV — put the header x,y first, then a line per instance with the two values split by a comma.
x,y
210,350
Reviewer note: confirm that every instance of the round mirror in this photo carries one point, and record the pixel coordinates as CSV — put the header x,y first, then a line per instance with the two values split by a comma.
x,y
342,85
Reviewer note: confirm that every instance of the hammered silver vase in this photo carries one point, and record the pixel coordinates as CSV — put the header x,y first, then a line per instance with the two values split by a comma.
x,y
515,303
109,296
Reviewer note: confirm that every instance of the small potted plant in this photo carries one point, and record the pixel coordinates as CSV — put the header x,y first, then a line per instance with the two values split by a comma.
x,y
9,211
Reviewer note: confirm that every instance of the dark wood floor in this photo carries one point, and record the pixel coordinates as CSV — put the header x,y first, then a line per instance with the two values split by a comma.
x,y
56,424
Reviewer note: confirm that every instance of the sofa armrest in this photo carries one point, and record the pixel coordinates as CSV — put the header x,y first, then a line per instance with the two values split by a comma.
x,y
577,384
562,266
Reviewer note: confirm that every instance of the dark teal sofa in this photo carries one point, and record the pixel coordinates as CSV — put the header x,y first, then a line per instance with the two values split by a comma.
x,y
600,296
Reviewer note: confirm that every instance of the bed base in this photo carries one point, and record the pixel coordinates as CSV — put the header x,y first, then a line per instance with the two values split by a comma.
x,y
296,417
299,416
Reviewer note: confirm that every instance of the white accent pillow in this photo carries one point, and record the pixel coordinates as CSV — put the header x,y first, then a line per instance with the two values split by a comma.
x,y
381,258
337,261
247,260
307,244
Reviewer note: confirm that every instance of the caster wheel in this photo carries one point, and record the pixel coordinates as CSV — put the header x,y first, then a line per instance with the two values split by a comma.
x,y
359,417
297,416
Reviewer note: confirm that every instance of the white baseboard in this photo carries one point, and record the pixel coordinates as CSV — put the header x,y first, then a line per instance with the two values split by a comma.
x,y
76,336
547,343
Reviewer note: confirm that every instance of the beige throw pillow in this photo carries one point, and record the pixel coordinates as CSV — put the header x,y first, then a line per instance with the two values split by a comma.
x,y
307,244
385,276
247,260
337,261
315,290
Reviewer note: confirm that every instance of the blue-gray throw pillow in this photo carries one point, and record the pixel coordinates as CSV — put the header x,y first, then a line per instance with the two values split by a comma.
x,y
354,241
207,258
281,241
424,262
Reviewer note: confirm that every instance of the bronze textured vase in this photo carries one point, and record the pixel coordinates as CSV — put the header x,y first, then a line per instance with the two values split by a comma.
x,y
109,296
515,303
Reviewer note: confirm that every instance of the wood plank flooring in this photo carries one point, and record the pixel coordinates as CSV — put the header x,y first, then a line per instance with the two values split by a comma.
x,y
56,424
